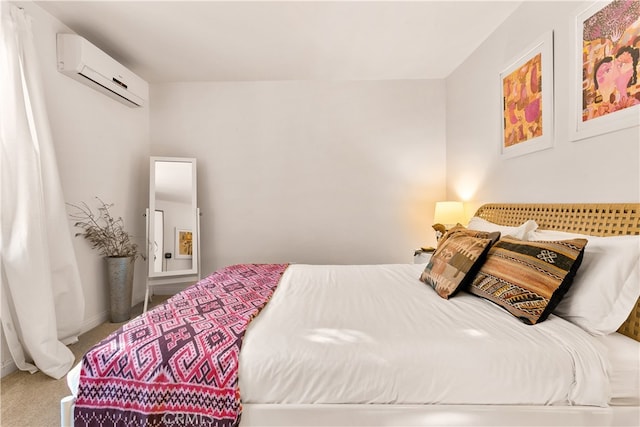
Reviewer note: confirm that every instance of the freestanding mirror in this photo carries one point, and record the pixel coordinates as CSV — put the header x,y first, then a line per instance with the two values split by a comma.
x,y
173,225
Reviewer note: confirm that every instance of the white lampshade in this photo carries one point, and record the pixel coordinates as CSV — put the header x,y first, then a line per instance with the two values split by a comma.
x,y
449,213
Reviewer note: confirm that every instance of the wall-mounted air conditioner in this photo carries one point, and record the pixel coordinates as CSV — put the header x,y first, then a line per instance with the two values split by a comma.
x,y
82,61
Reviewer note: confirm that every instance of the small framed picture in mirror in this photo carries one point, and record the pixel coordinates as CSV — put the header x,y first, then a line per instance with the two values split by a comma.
x,y
184,243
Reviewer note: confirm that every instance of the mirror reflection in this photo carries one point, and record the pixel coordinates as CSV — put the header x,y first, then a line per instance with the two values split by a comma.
x,y
172,230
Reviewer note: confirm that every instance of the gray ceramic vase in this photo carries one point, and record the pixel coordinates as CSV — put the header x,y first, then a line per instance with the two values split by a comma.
x,y
120,280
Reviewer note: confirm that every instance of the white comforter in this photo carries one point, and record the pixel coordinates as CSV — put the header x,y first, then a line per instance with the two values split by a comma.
x,y
376,334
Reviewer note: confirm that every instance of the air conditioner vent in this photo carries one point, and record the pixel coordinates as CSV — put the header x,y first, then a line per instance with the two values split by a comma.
x,y
84,62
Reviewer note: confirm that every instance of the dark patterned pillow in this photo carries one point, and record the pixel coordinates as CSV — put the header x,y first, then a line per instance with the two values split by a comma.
x,y
528,279
459,254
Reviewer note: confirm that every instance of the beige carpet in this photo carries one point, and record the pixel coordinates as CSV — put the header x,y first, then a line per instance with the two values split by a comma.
x,y
33,400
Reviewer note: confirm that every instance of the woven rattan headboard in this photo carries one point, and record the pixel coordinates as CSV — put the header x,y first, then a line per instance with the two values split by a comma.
x,y
601,219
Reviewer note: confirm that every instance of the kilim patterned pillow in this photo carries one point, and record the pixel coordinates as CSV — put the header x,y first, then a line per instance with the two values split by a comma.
x,y
528,279
459,254
459,228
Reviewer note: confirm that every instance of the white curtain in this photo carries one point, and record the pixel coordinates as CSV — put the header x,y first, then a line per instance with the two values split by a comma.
x,y
42,301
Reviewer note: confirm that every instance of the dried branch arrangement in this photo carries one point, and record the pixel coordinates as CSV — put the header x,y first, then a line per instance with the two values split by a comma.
x,y
103,231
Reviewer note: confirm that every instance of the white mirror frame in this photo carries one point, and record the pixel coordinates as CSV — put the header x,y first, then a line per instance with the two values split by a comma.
x,y
151,219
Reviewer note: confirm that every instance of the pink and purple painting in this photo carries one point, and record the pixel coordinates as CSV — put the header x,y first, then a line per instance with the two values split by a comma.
x,y
610,68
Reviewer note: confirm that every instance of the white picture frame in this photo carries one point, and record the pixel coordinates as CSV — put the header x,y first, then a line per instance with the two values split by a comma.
x,y
587,121
524,129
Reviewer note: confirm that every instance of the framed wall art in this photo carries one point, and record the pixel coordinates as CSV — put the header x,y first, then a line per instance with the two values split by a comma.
x,y
606,73
184,243
526,89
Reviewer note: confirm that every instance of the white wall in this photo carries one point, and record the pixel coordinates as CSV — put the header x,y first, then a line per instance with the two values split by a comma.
x,y
600,169
102,149
308,172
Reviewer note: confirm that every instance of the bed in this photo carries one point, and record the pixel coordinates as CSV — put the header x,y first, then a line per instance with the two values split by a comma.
x,y
373,345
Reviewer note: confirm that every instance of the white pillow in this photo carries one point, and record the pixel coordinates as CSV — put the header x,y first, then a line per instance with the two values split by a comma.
x,y
607,284
521,232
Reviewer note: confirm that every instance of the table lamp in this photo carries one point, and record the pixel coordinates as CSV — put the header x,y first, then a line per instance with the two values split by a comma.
x,y
447,215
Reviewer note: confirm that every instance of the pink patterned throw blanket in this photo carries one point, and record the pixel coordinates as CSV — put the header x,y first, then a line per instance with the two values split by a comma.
x,y
177,364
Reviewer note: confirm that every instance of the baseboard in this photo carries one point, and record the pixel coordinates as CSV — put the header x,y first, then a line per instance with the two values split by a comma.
x,y
168,289
8,366
94,321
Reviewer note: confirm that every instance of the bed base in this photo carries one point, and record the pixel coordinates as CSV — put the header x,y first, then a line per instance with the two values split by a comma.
x,y
266,415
